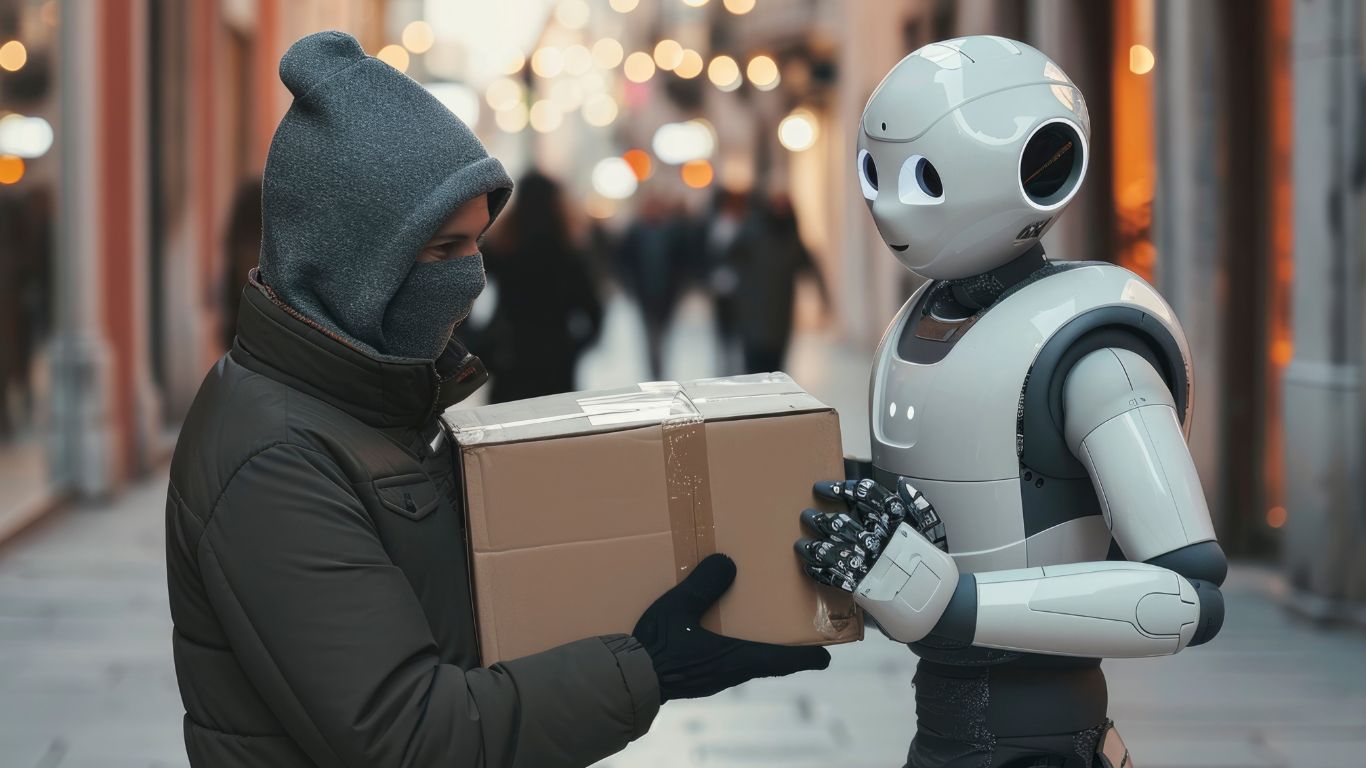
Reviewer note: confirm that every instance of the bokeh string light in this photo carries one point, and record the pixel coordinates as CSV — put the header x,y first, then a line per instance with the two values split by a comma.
x,y
668,54
13,56
690,65
639,67
418,37
395,56
607,53
763,72
724,73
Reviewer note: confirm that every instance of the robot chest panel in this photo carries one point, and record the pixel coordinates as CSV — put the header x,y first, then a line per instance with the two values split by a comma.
x,y
952,419
946,397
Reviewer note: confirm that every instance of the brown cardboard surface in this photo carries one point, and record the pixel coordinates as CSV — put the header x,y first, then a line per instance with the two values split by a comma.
x,y
762,470
577,525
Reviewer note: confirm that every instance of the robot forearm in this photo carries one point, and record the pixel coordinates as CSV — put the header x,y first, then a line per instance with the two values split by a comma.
x,y
1108,609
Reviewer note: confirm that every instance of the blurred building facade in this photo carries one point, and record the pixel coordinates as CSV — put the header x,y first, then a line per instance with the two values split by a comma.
x,y
1225,168
157,110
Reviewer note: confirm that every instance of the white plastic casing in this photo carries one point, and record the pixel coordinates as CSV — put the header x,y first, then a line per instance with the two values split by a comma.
x,y
909,586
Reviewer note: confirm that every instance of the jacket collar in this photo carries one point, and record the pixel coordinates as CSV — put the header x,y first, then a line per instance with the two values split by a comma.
x,y
277,341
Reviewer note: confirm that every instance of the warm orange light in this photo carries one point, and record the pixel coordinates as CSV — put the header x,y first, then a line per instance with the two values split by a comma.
x,y
419,37
1134,155
1141,59
11,169
395,56
668,54
639,160
1276,517
690,65
13,56
1282,350
639,67
763,72
724,73
697,174
607,53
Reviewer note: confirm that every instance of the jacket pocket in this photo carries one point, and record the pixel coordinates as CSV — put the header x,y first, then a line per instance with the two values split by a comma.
x,y
413,496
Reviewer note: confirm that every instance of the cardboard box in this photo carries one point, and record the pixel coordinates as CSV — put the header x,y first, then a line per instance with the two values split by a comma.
x,y
585,507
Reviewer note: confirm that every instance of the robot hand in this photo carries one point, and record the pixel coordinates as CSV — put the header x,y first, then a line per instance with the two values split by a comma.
x,y
891,557
850,543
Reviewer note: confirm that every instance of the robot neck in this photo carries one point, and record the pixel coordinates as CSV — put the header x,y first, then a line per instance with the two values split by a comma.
x,y
981,290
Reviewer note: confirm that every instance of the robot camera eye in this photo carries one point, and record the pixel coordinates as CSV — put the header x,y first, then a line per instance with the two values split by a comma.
x,y
1052,164
867,174
919,183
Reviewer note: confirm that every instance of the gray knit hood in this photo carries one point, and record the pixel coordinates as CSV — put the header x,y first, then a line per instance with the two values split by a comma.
x,y
363,170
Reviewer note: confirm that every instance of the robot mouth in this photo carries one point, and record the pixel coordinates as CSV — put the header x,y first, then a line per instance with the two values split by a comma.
x,y
899,248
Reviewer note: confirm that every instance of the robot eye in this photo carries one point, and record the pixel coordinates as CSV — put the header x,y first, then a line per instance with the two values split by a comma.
x,y
919,182
1052,164
867,174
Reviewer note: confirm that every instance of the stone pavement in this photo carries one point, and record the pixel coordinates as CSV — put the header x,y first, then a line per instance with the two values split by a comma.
x,y
86,678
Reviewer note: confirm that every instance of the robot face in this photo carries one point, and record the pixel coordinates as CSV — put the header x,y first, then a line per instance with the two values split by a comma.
x,y
969,150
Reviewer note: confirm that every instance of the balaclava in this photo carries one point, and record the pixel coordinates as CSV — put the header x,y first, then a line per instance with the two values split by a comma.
x,y
363,170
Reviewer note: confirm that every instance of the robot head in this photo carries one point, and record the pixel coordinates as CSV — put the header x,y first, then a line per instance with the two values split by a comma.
x,y
969,151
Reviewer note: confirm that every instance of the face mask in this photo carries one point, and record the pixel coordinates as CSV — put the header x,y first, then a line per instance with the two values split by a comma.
x,y
432,300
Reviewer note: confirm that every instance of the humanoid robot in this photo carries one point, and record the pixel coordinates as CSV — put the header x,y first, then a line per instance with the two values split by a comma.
x,y
1043,407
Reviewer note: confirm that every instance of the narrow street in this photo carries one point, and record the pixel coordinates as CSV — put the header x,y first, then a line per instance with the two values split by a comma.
x,y
86,677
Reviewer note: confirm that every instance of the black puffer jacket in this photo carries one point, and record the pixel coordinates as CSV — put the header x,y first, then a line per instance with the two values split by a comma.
x,y
319,584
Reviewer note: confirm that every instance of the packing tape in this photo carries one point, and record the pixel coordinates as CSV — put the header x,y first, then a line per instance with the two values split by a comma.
x,y
653,401
688,484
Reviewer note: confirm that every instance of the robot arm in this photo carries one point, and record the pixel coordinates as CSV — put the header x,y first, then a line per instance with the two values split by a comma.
x,y
1111,610
1121,424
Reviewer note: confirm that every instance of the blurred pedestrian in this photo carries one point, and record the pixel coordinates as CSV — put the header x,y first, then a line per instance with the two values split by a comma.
x,y
769,257
652,268
721,243
25,303
548,305
315,544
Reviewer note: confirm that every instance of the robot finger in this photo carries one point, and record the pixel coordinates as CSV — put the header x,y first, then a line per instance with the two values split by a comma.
x,y
920,513
841,527
863,497
838,490
823,553
831,578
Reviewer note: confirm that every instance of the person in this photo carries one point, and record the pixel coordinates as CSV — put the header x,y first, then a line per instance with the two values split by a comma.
x,y
769,259
548,309
320,617
651,268
722,245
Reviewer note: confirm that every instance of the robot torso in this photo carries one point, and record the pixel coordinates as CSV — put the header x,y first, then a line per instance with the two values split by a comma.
x,y
969,409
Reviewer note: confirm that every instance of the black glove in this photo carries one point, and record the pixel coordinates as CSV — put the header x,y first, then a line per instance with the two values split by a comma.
x,y
850,543
692,662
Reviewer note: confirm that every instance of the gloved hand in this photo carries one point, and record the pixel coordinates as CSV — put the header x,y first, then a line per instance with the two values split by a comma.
x,y
692,662
849,544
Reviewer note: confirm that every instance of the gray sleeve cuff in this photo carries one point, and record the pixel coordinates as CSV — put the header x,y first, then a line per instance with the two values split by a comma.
x,y
638,674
